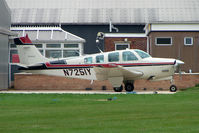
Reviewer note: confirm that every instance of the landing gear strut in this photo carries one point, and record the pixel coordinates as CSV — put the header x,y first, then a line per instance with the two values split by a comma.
x,y
172,88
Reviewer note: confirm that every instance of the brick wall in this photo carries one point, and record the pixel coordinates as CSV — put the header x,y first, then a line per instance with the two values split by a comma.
x,y
43,82
135,42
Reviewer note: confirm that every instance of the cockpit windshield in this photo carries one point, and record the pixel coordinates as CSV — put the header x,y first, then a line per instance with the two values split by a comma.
x,y
142,54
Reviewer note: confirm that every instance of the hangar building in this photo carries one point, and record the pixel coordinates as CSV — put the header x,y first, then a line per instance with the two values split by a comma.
x,y
173,24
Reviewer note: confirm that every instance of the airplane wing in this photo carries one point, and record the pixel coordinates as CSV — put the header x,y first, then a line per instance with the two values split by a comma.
x,y
115,74
130,73
103,73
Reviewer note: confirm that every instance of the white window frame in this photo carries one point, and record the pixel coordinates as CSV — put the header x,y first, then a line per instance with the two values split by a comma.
x,y
74,48
163,44
62,48
116,44
58,48
191,41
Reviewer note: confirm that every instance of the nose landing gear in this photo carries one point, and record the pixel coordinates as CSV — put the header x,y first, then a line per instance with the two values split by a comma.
x,y
173,88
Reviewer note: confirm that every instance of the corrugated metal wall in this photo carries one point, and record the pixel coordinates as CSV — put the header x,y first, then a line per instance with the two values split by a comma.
x,y
3,61
5,21
102,11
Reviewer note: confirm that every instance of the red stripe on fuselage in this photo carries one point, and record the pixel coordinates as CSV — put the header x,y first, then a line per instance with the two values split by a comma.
x,y
110,65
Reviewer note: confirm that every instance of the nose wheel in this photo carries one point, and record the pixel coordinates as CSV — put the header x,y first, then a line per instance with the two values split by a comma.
x,y
173,88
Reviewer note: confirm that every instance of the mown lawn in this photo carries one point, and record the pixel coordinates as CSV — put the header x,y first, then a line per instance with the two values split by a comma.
x,y
131,113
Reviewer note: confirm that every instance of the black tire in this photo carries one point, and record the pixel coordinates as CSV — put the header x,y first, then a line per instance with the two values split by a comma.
x,y
129,87
173,88
118,89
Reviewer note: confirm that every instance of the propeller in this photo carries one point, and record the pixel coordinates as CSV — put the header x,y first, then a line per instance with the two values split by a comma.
x,y
178,63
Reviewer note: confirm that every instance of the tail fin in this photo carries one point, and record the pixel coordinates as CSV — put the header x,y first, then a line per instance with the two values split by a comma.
x,y
28,53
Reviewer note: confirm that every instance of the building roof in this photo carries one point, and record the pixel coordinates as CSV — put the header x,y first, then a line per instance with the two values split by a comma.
x,y
102,11
46,34
171,27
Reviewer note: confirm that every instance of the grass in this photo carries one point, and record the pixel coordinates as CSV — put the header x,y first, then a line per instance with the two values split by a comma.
x,y
58,113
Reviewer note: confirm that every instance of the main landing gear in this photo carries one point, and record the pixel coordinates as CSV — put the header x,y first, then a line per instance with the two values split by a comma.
x,y
129,86
118,89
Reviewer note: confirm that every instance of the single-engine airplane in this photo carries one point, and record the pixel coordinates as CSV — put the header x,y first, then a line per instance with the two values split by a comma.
x,y
120,66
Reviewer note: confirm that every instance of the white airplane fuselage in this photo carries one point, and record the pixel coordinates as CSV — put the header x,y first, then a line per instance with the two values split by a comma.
x,y
156,68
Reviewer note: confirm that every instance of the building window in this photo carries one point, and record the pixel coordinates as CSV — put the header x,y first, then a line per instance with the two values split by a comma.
x,y
41,51
53,53
54,50
163,41
188,41
39,45
88,60
100,59
113,57
70,53
13,46
121,46
71,45
53,45
128,56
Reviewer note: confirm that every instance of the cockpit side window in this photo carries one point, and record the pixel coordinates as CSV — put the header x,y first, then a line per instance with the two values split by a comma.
x,y
142,54
128,56
88,60
113,57
99,58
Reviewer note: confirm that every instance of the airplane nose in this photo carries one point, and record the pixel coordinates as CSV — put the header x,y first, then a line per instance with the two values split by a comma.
x,y
179,62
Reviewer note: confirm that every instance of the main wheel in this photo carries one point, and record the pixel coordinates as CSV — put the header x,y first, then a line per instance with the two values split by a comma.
x,y
129,87
118,89
173,88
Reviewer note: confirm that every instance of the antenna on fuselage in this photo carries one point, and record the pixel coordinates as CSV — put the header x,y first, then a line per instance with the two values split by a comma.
x,y
100,50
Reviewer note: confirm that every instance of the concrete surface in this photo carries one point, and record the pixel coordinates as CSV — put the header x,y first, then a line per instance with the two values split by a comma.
x,y
82,92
